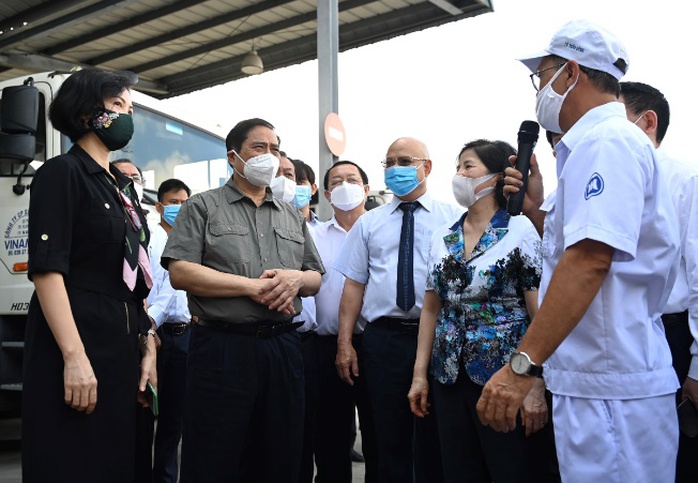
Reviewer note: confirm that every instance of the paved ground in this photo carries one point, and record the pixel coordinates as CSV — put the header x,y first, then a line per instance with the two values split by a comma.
x,y
10,454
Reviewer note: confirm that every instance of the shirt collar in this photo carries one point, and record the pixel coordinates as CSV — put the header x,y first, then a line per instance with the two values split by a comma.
x,y
234,194
92,167
495,231
426,202
592,117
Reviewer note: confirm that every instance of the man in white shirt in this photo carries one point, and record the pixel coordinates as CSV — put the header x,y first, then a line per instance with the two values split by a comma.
x,y
647,108
346,187
610,257
384,260
168,310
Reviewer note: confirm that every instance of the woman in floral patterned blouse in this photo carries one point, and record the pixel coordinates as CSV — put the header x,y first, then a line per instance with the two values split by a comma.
x,y
482,289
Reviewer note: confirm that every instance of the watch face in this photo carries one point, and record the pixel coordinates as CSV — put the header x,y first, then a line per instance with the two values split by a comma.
x,y
519,364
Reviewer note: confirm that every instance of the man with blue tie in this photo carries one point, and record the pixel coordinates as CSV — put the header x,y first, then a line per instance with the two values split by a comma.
x,y
384,260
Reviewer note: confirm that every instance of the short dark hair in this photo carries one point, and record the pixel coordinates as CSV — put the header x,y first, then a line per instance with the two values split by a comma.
x,y
326,179
639,97
172,184
239,133
82,95
601,80
126,160
303,171
495,156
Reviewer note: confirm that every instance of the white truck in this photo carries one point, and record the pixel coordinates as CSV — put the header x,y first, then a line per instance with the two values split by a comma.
x,y
163,146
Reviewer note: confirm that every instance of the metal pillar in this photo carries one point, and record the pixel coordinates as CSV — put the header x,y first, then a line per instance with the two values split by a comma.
x,y
327,50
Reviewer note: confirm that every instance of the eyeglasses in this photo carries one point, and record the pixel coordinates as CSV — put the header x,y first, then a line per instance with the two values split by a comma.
x,y
400,161
351,180
535,77
137,179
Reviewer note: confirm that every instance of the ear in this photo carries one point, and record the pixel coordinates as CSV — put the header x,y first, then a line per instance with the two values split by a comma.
x,y
573,72
313,189
367,190
327,196
650,122
427,167
159,208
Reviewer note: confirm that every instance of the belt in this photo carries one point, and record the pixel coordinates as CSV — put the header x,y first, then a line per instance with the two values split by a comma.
x,y
261,330
406,326
175,329
308,334
679,318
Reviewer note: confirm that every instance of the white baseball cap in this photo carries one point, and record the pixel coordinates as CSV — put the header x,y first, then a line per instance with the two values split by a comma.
x,y
589,45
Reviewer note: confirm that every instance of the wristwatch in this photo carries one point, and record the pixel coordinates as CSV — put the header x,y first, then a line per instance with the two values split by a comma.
x,y
522,365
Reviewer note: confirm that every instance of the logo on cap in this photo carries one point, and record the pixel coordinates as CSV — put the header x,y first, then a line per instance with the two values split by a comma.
x,y
594,186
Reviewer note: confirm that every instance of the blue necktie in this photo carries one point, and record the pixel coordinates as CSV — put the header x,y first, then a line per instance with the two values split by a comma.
x,y
405,277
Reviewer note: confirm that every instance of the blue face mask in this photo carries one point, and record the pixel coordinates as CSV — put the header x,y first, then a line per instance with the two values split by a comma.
x,y
169,213
402,180
302,197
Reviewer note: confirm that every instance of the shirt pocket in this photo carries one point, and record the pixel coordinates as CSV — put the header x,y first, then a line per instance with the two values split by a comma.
x,y
290,247
230,243
106,222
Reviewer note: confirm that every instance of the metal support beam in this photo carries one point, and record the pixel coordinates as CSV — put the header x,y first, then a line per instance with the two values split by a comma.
x,y
100,8
42,63
447,6
328,99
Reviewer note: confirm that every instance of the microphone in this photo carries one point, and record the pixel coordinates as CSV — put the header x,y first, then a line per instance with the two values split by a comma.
x,y
528,136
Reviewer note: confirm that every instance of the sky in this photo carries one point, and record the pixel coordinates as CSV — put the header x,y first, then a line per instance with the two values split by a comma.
x,y
459,82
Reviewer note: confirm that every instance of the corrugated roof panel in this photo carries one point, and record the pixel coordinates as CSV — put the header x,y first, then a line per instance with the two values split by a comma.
x,y
192,43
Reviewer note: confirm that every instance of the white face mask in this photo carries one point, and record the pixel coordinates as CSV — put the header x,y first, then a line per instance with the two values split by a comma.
x,y
464,189
347,196
260,170
549,104
283,188
139,190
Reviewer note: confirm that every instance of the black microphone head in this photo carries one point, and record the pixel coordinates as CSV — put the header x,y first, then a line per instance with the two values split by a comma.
x,y
528,132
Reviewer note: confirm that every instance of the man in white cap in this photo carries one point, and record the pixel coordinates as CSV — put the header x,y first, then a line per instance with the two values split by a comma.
x,y
610,257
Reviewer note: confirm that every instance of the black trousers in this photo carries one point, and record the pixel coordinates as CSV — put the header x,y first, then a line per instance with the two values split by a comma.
x,y
243,416
408,447
335,418
172,371
310,375
680,339
474,453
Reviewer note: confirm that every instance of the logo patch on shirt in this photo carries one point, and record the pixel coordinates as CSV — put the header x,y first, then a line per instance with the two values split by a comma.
x,y
594,186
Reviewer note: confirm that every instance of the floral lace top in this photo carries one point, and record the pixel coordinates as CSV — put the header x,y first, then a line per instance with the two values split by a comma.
x,y
484,315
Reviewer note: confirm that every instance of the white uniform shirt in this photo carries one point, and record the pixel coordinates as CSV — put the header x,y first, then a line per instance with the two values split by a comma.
x,y
307,315
682,179
370,254
165,304
329,239
609,190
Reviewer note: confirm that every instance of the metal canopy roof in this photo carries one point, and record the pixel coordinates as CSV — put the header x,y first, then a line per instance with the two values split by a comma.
x,y
179,46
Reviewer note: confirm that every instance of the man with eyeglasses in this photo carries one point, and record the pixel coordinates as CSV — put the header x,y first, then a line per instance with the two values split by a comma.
x,y
610,258
384,260
127,167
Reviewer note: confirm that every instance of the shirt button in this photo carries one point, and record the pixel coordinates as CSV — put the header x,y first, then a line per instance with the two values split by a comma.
x,y
266,260
106,205
261,235
44,237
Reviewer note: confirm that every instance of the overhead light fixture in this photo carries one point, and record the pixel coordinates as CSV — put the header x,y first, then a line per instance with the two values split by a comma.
x,y
252,63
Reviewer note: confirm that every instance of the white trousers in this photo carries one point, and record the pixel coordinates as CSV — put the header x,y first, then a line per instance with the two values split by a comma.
x,y
616,441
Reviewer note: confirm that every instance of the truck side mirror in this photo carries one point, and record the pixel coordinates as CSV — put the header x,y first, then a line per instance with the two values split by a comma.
x,y
19,117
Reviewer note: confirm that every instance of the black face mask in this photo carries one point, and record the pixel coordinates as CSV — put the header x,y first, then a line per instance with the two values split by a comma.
x,y
114,129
